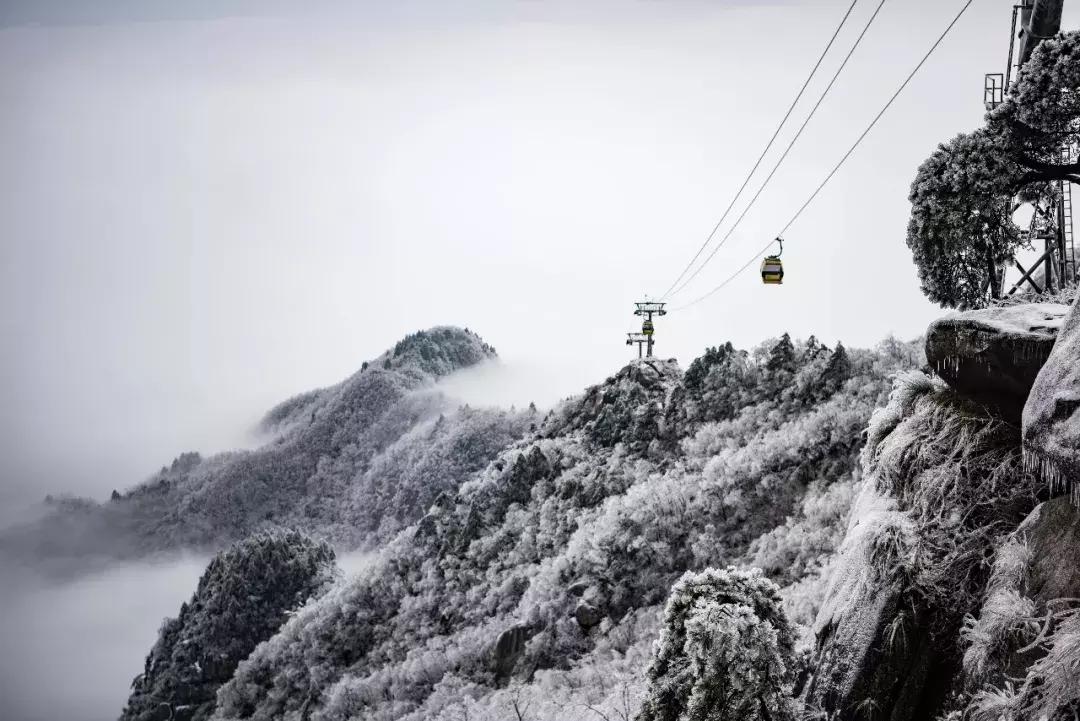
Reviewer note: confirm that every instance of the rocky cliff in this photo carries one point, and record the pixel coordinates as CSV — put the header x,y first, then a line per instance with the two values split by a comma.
x,y
955,589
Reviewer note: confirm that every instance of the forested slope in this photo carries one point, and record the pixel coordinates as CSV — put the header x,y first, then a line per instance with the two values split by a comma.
x,y
550,564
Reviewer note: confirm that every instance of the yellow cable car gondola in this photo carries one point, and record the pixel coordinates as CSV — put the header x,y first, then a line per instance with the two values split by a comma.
x,y
772,269
647,327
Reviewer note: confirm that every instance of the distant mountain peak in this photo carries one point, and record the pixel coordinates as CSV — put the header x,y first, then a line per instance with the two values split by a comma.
x,y
438,351
415,360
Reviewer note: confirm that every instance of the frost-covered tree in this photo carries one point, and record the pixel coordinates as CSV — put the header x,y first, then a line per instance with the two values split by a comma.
x,y
961,230
243,597
836,372
781,365
726,651
698,372
716,386
782,356
814,347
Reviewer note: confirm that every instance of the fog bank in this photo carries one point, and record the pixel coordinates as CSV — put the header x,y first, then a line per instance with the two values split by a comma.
x,y
518,382
71,649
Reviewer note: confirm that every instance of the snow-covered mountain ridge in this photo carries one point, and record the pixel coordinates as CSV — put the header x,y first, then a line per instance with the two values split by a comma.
x,y
352,463
551,563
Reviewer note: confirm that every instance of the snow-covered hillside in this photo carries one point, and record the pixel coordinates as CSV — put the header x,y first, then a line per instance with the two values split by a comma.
x,y
540,580
794,529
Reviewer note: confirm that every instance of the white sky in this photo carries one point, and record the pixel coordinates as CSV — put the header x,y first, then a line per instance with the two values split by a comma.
x,y
202,214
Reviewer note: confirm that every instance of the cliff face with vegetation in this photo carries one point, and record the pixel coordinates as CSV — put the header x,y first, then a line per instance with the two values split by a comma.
x,y
955,589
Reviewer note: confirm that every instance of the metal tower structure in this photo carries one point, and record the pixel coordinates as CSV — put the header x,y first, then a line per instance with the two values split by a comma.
x,y
1032,22
1039,20
640,339
647,309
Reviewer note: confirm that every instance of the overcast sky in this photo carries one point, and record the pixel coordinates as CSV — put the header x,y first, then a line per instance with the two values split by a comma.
x,y
206,207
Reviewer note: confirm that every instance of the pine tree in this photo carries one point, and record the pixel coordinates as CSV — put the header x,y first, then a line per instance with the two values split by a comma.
x,y
836,372
814,348
782,356
699,368
961,231
780,366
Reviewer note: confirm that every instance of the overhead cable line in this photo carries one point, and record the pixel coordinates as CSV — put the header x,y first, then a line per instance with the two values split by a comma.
x,y
768,146
847,155
787,150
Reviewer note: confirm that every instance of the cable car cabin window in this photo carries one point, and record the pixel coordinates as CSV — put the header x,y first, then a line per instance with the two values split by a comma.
x,y
772,271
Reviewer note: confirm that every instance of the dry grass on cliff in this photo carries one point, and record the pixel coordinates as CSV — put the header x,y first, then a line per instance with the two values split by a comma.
x,y
957,470
1051,689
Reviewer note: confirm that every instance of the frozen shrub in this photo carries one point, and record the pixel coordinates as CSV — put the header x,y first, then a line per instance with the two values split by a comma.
x,y
726,651
1005,618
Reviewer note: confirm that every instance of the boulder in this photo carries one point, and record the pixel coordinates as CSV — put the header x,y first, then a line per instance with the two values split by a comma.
x,y
508,649
994,354
873,654
1052,532
578,588
588,615
1051,418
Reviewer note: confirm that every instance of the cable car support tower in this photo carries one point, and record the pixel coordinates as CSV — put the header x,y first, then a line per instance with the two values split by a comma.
x,y
637,338
646,309
1038,20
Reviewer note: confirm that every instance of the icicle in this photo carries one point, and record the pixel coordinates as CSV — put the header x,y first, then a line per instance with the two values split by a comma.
x,y
1048,470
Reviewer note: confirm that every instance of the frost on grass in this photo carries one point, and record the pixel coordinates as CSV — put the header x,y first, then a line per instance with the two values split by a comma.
x,y
1051,688
726,651
1023,655
872,552
957,468
1005,619
908,387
